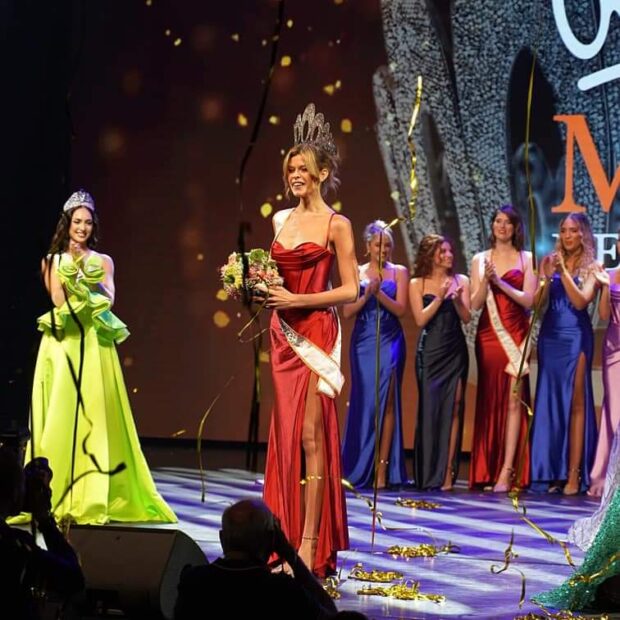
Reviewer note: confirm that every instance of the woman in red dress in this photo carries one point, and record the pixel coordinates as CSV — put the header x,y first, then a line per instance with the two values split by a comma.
x,y
500,427
302,473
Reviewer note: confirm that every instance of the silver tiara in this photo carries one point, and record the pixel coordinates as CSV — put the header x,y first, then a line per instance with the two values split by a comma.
x,y
81,198
311,128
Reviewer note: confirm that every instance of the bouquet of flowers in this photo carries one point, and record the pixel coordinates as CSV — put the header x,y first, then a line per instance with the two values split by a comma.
x,y
262,270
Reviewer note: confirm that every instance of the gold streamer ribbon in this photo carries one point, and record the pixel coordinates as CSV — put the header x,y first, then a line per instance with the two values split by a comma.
x,y
376,576
422,551
413,179
573,581
416,503
199,440
406,591
510,555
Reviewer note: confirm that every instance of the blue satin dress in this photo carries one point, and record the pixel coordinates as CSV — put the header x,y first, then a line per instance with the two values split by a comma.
x,y
565,334
358,450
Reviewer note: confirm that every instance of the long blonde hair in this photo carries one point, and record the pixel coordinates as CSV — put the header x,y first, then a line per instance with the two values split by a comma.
x,y
587,257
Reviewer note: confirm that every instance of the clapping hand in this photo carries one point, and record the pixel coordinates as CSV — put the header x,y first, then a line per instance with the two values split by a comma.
x,y
557,260
601,275
457,294
444,288
372,287
489,271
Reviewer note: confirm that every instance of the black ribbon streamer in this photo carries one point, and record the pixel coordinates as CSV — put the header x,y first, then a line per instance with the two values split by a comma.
x,y
244,227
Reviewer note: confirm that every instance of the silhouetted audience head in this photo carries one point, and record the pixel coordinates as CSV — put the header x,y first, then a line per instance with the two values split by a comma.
x,y
247,530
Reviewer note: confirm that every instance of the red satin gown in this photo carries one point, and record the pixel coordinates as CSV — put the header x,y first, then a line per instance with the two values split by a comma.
x,y
487,454
305,269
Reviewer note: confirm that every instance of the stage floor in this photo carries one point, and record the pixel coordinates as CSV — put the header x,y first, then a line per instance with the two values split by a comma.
x,y
480,524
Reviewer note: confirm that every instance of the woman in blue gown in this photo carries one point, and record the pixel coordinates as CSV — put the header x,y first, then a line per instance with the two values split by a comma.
x,y
383,291
440,304
564,428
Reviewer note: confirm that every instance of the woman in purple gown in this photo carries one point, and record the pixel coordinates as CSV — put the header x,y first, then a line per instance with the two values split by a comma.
x,y
383,289
609,310
564,426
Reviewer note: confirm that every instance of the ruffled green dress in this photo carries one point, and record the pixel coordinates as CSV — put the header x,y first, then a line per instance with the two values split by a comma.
x,y
104,426
579,594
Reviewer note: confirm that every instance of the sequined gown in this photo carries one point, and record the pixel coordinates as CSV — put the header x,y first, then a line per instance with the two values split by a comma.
x,y
358,450
300,340
104,427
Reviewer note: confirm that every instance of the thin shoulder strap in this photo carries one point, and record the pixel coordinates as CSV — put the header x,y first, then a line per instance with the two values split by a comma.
x,y
328,229
279,227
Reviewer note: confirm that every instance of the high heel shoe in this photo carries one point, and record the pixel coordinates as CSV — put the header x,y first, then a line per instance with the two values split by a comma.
x,y
572,488
449,485
383,463
504,487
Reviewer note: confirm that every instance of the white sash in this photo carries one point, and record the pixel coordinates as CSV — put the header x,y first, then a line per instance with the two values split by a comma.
x,y
327,367
515,353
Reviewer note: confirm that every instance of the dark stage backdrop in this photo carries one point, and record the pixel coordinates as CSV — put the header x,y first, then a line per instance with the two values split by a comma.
x,y
158,142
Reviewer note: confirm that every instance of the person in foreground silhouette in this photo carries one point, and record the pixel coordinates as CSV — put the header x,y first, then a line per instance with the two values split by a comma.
x,y
29,575
242,579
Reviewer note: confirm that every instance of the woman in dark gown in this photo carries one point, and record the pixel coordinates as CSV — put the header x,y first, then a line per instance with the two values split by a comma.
x,y
383,291
440,304
302,472
564,427
500,425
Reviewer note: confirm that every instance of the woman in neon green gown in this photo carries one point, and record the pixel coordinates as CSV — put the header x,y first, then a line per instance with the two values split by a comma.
x,y
84,438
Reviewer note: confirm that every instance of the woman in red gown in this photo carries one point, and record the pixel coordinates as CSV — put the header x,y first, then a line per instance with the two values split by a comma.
x,y
302,473
500,426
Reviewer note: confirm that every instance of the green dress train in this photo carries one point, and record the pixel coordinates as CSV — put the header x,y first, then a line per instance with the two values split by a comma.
x,y
105,427
575,594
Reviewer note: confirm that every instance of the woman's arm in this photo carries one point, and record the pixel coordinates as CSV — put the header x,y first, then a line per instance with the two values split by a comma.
x,y
579,297
106,287
525,297
421,314
347,292
460,298
479,285
604,278
52,283
396,306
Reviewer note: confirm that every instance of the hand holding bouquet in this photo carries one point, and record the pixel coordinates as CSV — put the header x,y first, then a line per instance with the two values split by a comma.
x,y
262,272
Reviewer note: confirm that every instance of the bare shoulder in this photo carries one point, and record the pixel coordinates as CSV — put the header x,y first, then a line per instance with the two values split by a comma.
x,y
401,270
340,222
415,283
107,261
280,216
478,256
461,278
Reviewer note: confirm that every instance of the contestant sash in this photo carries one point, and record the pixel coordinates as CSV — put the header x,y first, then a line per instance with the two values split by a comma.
x,y
327,367
513,351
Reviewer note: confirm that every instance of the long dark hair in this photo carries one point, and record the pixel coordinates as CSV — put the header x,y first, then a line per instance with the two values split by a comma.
x,y
423,266
518,236
60,240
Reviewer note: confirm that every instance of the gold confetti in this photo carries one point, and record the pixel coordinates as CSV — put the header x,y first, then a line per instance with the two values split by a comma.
x,y
266,209
135,390
242,120
264,42
337,2
376,576
177,42
338,84
278,196
149,3
128,361
346,126
337,206
330,585
285,61
222,295
235,37
221,319
421,551
264,357
274,120
289,23
179,433
167,32
417,503
200,256
329,89
395,195
406,591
